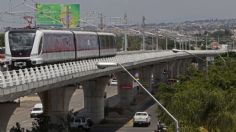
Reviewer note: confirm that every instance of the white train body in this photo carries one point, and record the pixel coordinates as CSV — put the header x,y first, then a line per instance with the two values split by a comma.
x,y
36,47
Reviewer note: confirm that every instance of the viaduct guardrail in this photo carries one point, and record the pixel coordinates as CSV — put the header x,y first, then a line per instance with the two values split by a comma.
x,y
22,82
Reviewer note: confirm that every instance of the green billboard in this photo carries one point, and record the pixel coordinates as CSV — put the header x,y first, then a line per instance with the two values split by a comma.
x,y
57,15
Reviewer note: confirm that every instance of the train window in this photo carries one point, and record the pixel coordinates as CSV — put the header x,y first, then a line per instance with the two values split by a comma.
x,y
2,50
21,40
40,45
108,44
21,43
113,42
85,42
103,42
57,42
93,42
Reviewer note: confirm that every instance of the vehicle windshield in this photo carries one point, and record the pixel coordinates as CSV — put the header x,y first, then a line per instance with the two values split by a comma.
x,y
37,109
141,114
21,43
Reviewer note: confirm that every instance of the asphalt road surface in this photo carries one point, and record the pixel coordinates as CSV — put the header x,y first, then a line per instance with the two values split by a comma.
x,y
128,126
22,113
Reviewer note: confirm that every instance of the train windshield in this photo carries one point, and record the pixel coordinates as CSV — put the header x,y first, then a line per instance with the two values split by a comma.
x,y
21,43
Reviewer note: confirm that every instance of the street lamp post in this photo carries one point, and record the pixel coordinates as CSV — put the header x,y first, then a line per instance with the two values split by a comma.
x,y
102,65
177,50
166,43
157,44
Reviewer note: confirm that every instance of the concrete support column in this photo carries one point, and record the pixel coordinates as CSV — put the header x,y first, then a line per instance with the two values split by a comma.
x,y
145,75
125,89
94,97
56,103
172,69
165,72
7,109
157,73
201,64
176,69
179,70
184,66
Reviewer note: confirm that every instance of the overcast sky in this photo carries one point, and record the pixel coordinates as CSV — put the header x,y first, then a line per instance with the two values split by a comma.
x,y
155,11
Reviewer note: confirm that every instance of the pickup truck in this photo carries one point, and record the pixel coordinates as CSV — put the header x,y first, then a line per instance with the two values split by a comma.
x,y
141,118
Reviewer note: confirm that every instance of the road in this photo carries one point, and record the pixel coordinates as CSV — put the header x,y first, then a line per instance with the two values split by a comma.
x,y
22,113
128,127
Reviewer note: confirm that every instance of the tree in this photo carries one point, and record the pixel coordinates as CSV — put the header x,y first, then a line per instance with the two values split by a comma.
x,y
198,103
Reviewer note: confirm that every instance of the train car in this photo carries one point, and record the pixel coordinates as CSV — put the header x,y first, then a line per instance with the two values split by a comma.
x,y
87,45
107,44
53,46
26,48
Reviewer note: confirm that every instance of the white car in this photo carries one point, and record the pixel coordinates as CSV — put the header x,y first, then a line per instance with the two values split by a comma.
x,y
113,82
141,118
37,110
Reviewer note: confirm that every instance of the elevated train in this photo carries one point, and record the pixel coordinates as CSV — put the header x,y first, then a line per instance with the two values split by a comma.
x,y
24,48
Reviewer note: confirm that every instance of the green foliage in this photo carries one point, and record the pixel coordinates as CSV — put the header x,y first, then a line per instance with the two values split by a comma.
x,y
200,103
18,128
119,42
134,43
43,124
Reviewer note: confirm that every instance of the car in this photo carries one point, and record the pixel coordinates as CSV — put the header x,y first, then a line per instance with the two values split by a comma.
x,y
37,110
141,118
80,122
113,82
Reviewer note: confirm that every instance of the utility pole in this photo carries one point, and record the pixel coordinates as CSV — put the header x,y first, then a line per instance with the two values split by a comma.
x,y
180,44
126,36
196,42
152,43
101,21
166,43
175,43
233,45
143,26
206,40
157,42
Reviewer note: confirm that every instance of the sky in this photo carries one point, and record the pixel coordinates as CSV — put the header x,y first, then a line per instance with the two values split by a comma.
x,y
155,11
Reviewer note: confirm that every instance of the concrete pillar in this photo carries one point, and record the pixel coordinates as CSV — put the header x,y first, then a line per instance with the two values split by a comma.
x,y
172,69
56,103
157,71
183,66
175,70
165,72
178,68
201,64
94,98
125,89
145,77
7,109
